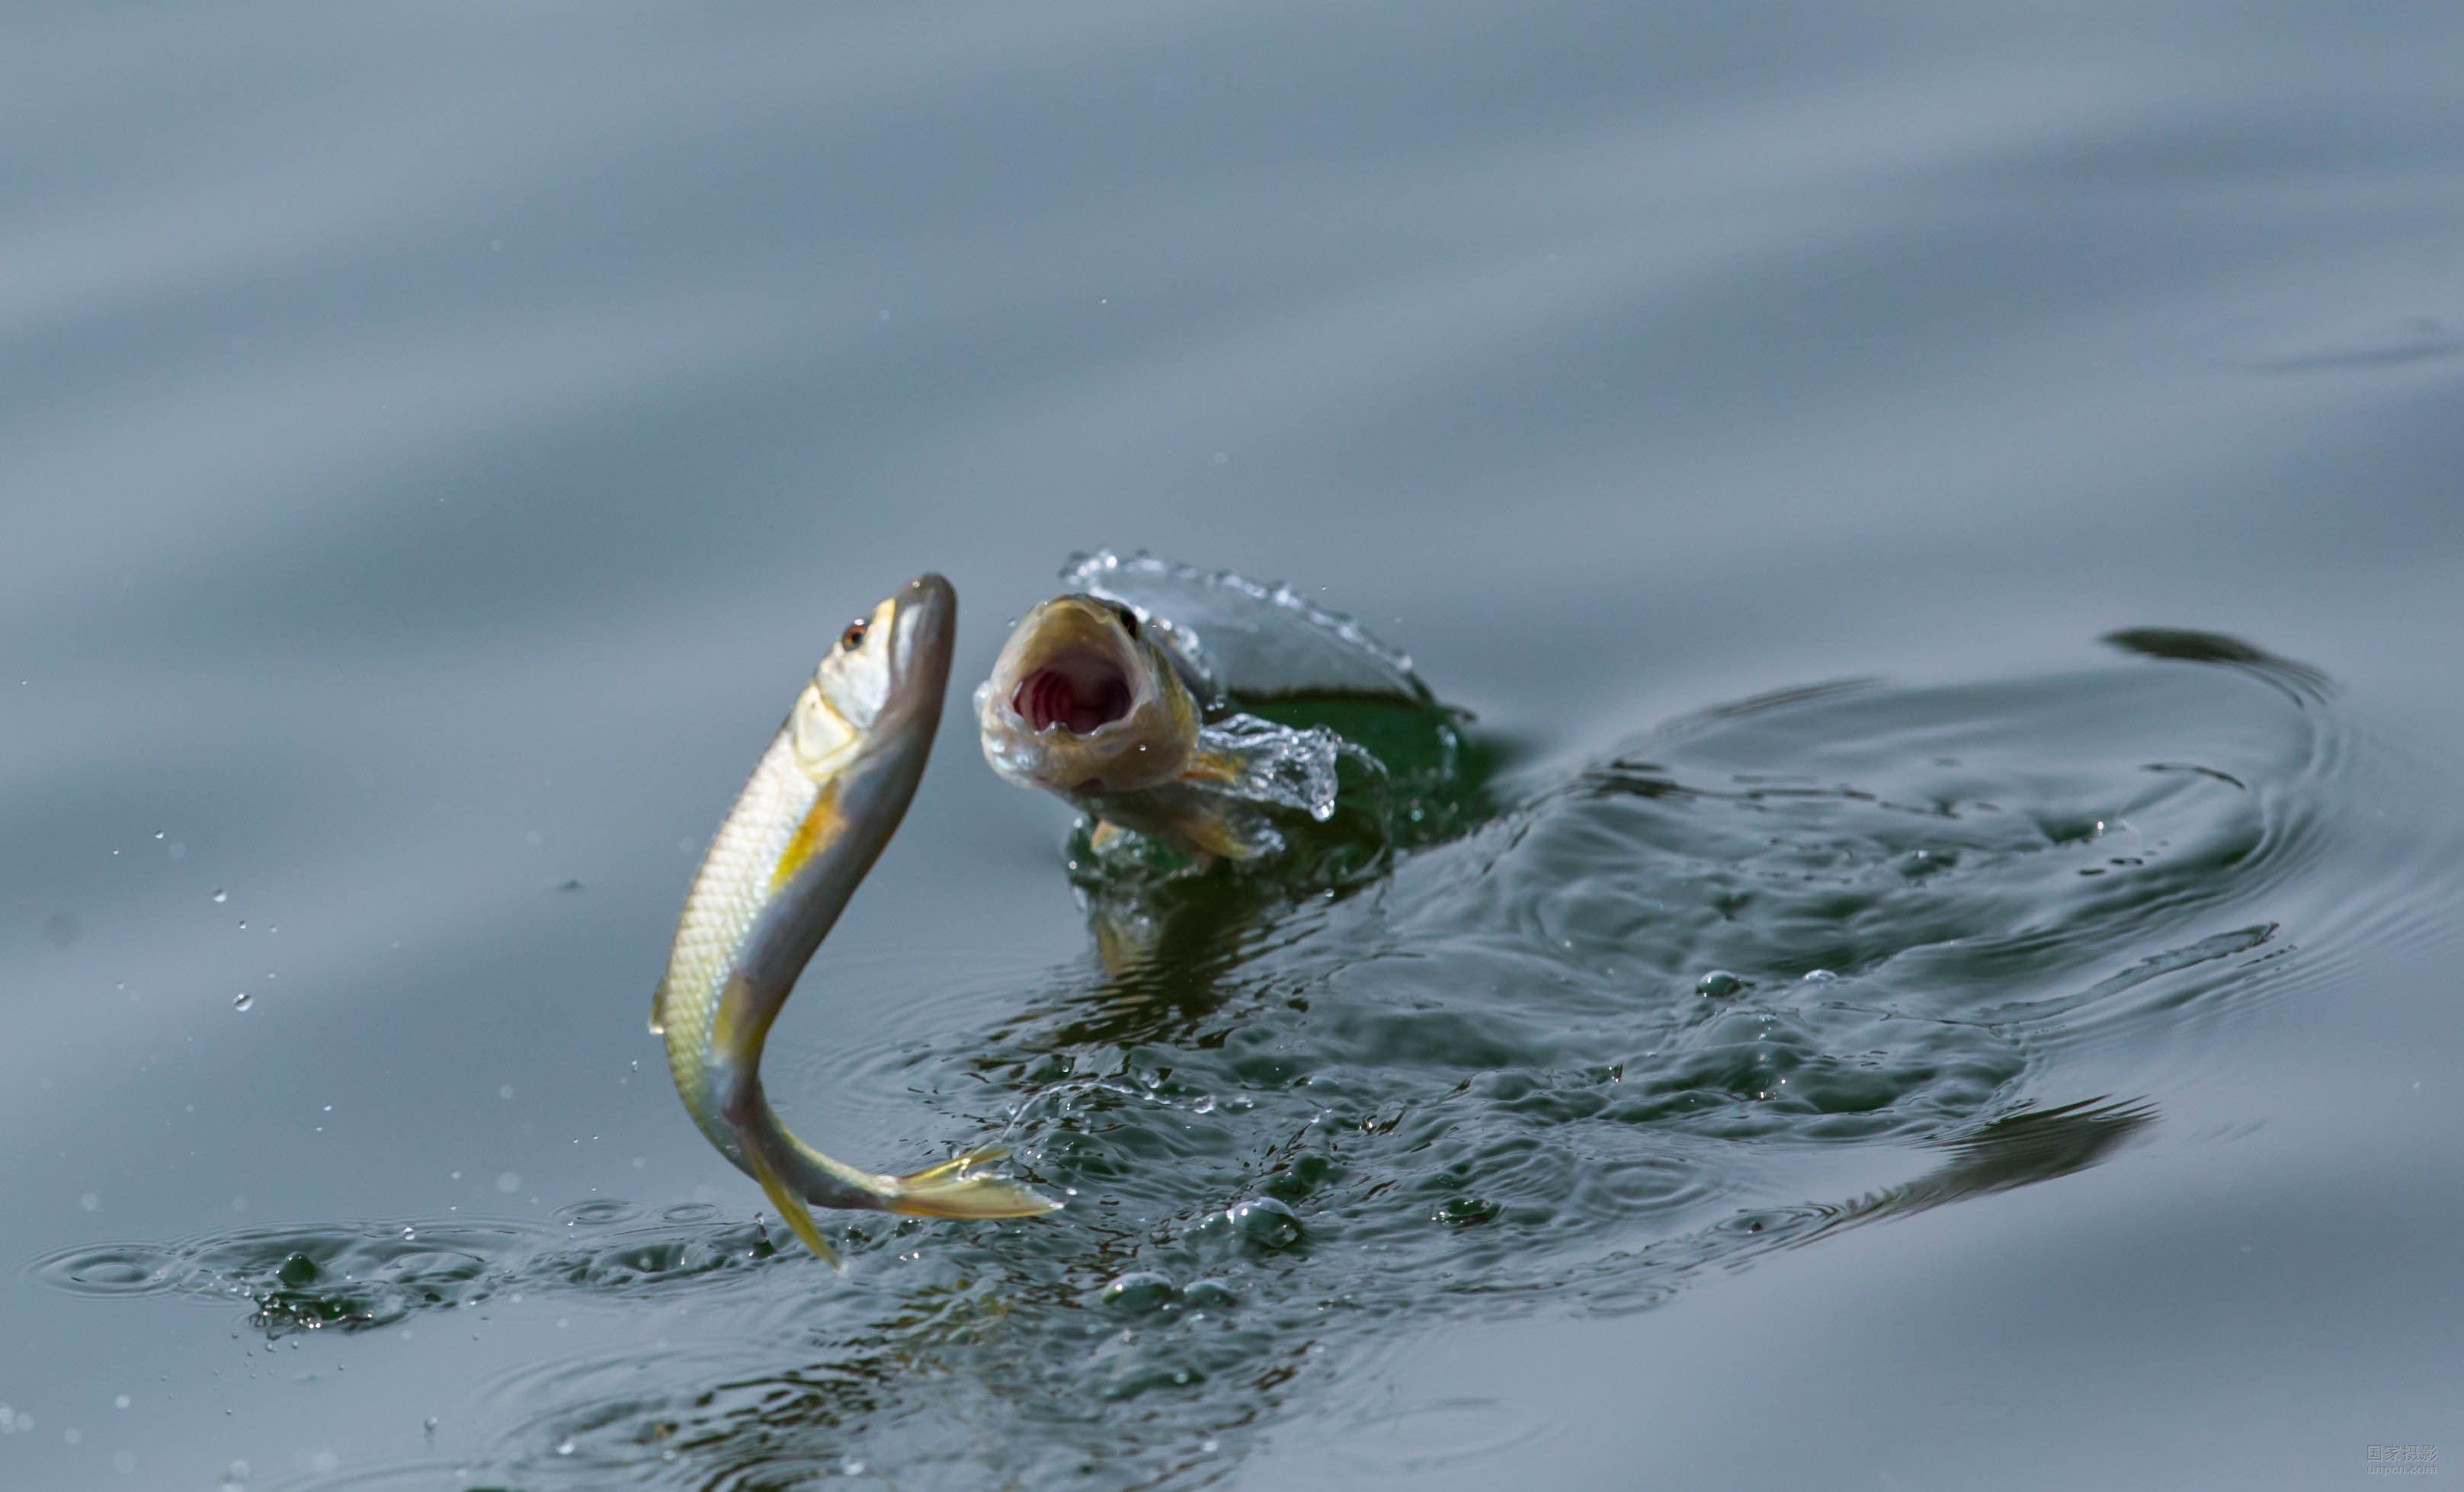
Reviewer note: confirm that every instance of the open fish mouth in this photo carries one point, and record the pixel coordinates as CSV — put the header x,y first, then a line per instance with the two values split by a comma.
x,y
1080,691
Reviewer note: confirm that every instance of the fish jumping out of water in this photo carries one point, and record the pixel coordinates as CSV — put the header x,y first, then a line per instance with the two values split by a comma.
x,y
1085,702
819,808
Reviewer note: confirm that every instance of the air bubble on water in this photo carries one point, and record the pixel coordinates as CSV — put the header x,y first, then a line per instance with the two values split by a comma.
x,y
1820,976
119,1401
1205,1104
564,1447
1719,983
855,1467
221,896
90,1200
428,1425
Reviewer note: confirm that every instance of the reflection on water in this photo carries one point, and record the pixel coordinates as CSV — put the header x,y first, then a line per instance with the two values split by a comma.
x,y
1565,1054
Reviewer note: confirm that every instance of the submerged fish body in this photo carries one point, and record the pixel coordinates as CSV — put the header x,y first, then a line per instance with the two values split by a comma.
x,y
820,804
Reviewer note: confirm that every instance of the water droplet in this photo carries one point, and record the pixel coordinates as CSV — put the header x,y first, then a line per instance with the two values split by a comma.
x,y
1266,1222
1137,1292
1719,983
242,1000
1210,1293
221,896
428,1425
564,1447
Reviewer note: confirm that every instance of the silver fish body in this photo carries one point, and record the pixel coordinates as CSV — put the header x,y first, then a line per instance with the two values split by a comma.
x,y
822,803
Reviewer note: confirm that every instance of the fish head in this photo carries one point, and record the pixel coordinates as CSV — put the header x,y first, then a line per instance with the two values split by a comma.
x,y
877,696
1081,702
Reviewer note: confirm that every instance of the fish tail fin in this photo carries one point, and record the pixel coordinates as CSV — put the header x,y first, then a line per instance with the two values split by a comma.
x,y
792,1207
948,1191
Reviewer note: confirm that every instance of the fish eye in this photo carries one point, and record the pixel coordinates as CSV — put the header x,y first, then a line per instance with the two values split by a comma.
x,y
1129,620
853,637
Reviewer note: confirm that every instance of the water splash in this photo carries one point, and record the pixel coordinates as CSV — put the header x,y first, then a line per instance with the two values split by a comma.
x,y
1244,637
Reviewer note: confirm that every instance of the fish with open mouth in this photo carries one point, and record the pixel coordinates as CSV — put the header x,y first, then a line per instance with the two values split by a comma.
x,y
823,801
1118,697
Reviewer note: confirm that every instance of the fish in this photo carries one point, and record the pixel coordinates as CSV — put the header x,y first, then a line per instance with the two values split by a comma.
x,y
820,806
1086,702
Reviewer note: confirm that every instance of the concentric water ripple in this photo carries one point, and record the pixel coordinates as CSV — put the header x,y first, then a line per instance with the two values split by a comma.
x,y
1654,1016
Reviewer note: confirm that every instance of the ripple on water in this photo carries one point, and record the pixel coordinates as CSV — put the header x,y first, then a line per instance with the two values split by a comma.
x,y
356,1277
1301,1120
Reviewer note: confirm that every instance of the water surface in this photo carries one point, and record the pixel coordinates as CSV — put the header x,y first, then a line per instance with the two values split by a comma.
x,y
1935,967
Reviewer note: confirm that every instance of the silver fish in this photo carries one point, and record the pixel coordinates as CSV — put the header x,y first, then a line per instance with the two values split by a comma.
x,y
820,804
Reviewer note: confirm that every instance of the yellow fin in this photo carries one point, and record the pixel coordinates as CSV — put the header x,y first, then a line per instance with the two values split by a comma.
x,y
1220,768
1211,833
792,1208
659,1009
946,1191
822,824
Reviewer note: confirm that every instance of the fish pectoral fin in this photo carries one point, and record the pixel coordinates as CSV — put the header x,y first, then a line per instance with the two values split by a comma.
x,y
790,1206
1211,831
659,1009
947,1190
1214,769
